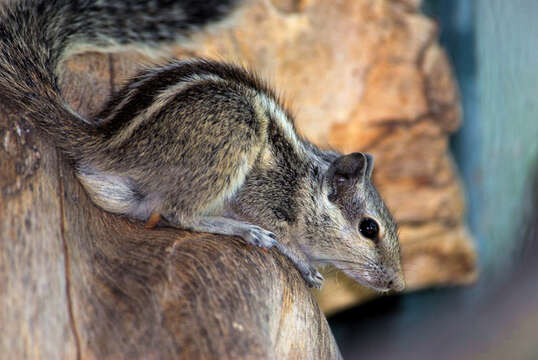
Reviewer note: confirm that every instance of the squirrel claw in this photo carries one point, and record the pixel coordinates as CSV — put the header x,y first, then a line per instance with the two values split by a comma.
x,y
153,220
313,278
260,237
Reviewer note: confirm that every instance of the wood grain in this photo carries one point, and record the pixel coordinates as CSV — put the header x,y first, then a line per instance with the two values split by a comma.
x,y
79,282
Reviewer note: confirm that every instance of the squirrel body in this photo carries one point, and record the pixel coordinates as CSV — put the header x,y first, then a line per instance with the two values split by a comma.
x,y
204,144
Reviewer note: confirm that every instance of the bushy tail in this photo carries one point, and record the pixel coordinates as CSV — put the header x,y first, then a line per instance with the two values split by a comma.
x,y
35,36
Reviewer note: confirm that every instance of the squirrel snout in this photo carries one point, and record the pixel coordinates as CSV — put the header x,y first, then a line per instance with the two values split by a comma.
x,y
397,283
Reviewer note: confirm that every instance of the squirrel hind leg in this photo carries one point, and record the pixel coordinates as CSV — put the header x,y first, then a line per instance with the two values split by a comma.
x,y
116,194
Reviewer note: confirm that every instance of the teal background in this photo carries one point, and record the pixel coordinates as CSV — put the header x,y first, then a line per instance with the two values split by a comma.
x,y
507,87
493,45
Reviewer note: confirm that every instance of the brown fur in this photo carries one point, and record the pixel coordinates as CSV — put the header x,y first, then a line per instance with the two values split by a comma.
x,y
207,145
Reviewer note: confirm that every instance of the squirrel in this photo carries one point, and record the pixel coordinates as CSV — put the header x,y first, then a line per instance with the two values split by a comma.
x,y
205,146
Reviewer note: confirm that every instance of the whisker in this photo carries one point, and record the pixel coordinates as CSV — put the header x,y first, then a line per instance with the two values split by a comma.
x,y
357,266
362,271
327,260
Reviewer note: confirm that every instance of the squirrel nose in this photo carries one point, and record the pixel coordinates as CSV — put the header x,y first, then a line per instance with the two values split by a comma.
x,y
397,283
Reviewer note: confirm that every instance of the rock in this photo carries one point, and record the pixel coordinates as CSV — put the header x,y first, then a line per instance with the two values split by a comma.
x,y
368,75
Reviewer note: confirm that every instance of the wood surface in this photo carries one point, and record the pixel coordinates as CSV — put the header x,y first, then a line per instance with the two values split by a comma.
x,y
78,282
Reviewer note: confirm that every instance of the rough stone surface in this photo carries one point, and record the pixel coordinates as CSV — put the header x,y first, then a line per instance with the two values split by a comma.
x,y
368,75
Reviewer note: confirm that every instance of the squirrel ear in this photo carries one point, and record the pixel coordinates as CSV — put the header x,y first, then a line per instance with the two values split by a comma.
x,y
369,165
352,166
349,170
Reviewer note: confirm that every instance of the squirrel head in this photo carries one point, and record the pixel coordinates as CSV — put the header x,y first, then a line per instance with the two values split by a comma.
x,y
357,232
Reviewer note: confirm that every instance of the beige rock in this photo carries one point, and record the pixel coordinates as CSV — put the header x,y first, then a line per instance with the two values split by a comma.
x,y
368,75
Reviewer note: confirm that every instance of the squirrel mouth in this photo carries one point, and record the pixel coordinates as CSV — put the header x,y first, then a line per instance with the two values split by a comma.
x,y
370,277
380,284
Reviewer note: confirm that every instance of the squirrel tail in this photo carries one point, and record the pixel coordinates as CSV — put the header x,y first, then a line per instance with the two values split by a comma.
x,y
35,36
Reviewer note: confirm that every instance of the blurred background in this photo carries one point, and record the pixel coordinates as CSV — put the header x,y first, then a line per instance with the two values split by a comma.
x,y
369,75
493,47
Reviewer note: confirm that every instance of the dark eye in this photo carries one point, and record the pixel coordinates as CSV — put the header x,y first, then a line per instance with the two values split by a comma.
x,y
369,228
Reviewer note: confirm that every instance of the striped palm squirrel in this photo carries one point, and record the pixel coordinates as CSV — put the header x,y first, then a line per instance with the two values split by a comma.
x,y
205,145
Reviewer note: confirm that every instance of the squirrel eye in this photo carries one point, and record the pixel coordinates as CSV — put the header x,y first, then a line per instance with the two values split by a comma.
x,y
369,228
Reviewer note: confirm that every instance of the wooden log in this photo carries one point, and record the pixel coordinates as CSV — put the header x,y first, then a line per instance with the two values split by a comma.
x,y
79,282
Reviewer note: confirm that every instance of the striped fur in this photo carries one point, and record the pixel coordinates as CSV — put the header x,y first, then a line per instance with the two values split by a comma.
x,y
206,144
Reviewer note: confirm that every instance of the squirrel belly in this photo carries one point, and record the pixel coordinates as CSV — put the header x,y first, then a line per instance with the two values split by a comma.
x,y
205,145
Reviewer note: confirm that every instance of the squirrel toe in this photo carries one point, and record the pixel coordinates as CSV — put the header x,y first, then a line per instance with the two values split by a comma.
x,y
314,278
260,237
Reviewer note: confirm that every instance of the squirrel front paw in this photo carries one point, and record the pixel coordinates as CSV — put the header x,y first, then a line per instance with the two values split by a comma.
x,y
258,236
312,277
